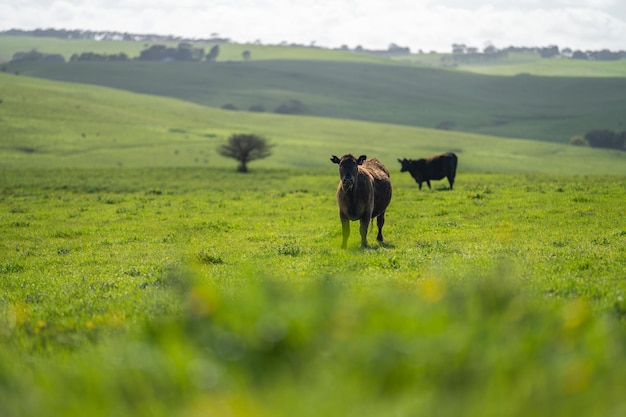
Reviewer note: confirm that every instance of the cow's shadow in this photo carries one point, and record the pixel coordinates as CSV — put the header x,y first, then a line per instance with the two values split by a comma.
x,y
380,245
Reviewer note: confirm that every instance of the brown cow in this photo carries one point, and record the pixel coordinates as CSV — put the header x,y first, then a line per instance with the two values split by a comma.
x,y
434,168
363,193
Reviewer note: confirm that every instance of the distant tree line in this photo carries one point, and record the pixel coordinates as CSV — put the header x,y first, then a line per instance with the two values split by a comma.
x,y
90,56
468,54
106,35
461,53
606,139
464,53
36,56
184,52
567,53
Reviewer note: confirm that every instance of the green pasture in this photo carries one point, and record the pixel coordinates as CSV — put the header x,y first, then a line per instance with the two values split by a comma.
x,y
519,63
549,109
523,63
51,124
141,275
521,96
195,291
9,45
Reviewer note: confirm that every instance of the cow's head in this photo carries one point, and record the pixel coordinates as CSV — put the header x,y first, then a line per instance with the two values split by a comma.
x,y
348,169
405,164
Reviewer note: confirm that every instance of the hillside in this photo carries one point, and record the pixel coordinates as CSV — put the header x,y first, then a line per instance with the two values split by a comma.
x,y
542,108
533,64
48,124
9,45
348,85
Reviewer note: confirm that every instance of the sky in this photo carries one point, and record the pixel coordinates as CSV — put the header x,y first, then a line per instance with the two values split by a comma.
x,y
427,25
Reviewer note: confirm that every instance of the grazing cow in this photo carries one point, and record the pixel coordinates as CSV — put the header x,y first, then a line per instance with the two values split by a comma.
x,y
434,168
363,193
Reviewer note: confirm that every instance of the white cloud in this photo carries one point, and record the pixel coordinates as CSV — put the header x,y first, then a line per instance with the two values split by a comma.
x,y
419,24
63,11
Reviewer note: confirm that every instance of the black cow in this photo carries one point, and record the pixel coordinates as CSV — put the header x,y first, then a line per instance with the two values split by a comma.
x,y
433,168
363,193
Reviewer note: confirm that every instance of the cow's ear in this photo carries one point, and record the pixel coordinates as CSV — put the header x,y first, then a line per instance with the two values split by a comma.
x,y
334,159
361,159
399,160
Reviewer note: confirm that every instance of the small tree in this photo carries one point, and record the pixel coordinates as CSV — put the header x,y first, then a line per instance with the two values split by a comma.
x,y
213,53
245,148
577,141
290,107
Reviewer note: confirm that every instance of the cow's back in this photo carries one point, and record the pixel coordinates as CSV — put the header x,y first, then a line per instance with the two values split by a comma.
x,y
376,169
382,184
440,166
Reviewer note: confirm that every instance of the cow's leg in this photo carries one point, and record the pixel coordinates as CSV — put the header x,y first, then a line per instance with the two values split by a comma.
x,y
380,221
428,183
420,184
451,181
364,225
345,229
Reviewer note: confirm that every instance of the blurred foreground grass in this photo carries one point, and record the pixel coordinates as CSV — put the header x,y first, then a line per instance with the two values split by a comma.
x,y
332,348
194,292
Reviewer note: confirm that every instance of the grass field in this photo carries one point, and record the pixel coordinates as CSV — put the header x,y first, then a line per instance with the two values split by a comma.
x,y
48,124
187,291
141,275
523,63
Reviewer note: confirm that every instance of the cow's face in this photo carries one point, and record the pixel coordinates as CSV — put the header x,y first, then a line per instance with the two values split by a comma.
x,y
405,164
348,169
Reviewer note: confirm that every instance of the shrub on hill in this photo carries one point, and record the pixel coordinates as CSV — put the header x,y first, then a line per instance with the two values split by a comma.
x,y
577,141
446,125
213,53
259,108
290,107
606,139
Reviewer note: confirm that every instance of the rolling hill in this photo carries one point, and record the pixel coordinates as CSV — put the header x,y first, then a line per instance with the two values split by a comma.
x,y
50,124
346,85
